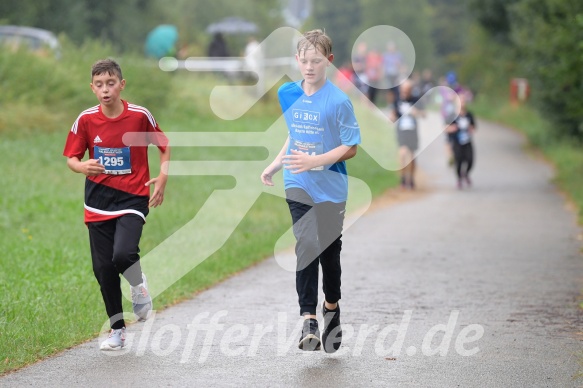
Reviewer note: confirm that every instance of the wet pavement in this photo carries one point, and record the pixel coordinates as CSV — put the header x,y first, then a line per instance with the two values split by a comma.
x,y
441,288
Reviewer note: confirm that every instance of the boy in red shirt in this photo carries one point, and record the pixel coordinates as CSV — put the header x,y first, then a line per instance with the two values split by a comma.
x,y
117,193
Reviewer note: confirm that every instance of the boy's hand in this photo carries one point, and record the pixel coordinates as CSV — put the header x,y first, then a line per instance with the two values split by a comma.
x,y
157,196
267,178
91,167
299,162
268,173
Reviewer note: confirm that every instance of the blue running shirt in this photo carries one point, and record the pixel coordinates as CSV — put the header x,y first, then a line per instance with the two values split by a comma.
x,y
318,124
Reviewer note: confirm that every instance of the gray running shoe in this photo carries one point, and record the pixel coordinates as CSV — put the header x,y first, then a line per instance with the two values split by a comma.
x,y
310,339
115,340
141,300
332,334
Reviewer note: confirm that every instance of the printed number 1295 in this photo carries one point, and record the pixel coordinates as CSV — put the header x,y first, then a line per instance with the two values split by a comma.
x,y
111,161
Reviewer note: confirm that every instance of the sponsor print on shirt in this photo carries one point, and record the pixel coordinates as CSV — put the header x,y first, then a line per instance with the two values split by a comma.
x,y
406,121
463,125
115,160
306,116
311,149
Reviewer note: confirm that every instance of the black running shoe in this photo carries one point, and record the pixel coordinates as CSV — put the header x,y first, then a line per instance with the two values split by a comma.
x,y
310,335
332,334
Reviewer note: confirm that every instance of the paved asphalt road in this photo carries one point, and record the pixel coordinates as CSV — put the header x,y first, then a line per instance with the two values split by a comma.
x,y
447,288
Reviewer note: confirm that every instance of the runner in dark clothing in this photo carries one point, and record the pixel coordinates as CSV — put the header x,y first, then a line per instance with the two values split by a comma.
x,y
460,132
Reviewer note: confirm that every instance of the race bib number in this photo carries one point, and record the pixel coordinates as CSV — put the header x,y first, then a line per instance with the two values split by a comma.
x,y
463,137
463,123
407,123
308,148
115,160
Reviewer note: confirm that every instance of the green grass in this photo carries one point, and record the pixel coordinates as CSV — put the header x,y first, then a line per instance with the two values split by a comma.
x,y
49,299
564,154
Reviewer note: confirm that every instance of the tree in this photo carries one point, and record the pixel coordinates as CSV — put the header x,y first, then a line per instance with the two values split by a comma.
x,y
548,36
493,15
412,17
340,19
123,23
192,17
451,21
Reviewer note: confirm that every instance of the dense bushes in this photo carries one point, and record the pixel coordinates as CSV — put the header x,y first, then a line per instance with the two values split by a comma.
x,y
539,40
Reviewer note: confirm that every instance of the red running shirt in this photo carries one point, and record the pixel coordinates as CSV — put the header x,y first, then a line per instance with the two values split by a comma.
x,y
92,128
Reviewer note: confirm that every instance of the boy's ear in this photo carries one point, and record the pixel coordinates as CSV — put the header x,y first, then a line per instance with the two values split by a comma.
x,y
330,57
123,84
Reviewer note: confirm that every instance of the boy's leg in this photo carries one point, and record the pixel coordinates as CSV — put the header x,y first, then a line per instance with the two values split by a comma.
x,y
458,156
469,156
307,249
405,164
126,256
469,159
330,222
127,260
101,238
412,166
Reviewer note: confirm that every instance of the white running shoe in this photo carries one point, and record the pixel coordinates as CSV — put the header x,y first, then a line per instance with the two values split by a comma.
x,y
115,341
141,300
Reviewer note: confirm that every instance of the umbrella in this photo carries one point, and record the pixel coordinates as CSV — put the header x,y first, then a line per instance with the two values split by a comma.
x,y
232,25
161,40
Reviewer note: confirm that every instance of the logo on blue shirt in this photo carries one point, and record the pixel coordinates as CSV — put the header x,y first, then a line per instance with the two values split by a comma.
x,y
306,116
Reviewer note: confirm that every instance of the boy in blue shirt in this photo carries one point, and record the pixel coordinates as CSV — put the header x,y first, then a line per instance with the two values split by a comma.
x,y
322,134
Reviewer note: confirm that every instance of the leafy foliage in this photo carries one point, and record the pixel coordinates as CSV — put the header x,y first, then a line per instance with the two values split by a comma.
x,y
543,38
340,20
547,35
493,15
411,17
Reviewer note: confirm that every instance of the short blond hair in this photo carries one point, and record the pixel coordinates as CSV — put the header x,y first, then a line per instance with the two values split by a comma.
x,y
317,39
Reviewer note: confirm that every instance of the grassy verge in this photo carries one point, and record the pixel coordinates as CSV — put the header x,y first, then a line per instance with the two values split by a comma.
x,y
49,299
564,154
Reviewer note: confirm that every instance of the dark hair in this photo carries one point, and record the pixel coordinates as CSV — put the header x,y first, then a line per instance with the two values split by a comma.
x,y
108,66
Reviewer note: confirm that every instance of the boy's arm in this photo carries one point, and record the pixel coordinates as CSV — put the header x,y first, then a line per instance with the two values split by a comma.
x,y
393,115
472,123
90,167
451,128
275,166
299,162
417,111
159,182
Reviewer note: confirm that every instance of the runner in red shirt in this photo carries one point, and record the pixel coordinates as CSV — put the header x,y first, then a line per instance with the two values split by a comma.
x,y
117,193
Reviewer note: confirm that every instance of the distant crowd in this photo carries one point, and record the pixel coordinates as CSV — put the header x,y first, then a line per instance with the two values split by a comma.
x,y
377,73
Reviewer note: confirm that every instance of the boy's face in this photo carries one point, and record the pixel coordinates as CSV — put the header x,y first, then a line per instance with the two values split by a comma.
x,y
312,65
107,87
405,89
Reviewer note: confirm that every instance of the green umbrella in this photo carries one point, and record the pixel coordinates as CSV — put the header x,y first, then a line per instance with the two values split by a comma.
x,y
161,40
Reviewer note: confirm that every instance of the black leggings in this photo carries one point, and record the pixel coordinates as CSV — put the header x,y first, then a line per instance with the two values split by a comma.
x,y
464,158
318,231
114,251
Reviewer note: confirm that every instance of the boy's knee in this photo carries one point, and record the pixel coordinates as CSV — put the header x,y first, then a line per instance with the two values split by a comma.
x,y
309,243
307,250
123,259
